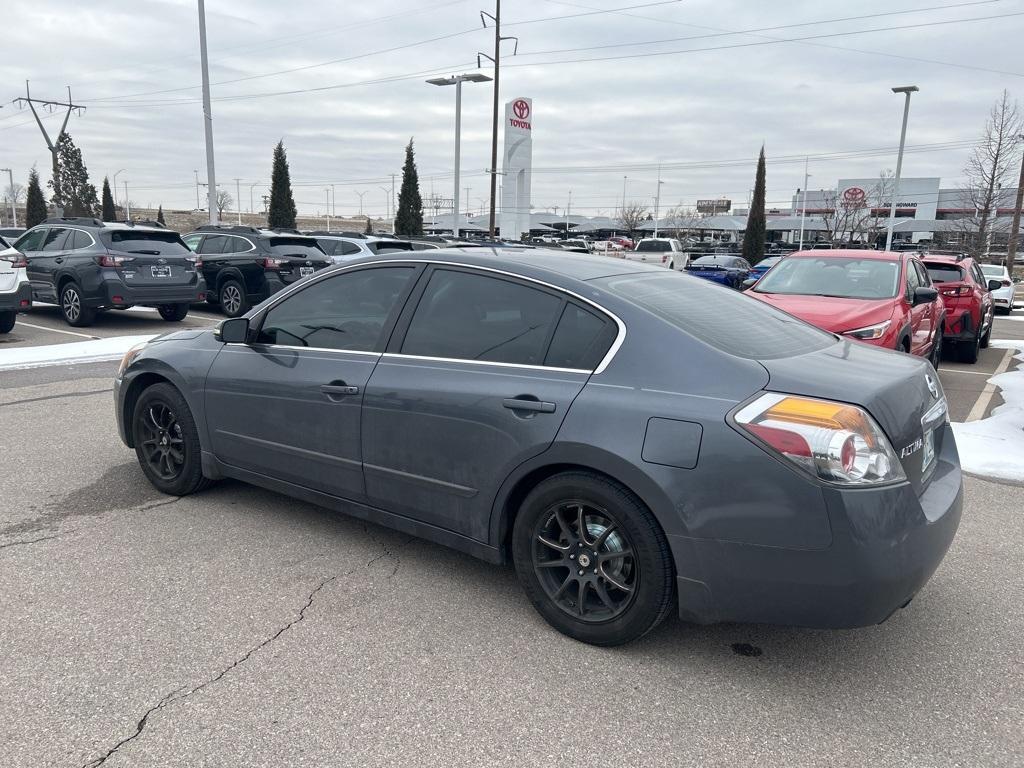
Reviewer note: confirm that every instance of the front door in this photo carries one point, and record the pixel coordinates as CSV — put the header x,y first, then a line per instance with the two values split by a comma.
x,y
287,404
475,381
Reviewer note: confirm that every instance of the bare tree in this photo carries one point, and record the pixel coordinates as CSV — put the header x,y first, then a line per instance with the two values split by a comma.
x,y
224,201
680,217
990,165
632,215
854,213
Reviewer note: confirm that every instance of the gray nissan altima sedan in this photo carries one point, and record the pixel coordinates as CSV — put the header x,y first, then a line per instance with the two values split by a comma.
x,y
632,438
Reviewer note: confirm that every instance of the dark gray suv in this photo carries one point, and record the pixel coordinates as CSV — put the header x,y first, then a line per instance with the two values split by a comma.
x,y
85,265
633,439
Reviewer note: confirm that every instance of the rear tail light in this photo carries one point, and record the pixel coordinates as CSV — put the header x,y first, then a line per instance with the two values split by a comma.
x,y
113,261
25,303
17,260
197,261
959,290
664,259
1006,283
272,263
836,442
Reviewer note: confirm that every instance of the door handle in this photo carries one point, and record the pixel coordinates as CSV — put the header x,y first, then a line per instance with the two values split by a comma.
x,y
528,404
59,259
338,389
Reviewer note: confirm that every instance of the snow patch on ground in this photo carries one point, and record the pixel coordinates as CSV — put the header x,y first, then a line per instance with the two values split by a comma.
x,y
92,351
994,447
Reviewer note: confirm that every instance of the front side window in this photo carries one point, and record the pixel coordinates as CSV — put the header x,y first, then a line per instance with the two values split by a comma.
x,y
466,316
31,241
347,311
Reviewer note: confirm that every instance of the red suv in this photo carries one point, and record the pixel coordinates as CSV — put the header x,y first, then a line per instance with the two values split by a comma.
x,y
969,308
879,297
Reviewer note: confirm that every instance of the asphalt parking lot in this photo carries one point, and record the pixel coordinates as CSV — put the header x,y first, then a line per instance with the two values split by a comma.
x,y
238,627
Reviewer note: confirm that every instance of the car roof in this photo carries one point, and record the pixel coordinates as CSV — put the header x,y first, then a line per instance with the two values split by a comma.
x,y
850,253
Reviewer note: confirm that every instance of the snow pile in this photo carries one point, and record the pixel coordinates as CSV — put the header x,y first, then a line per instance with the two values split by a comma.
x,y
94,350
994,447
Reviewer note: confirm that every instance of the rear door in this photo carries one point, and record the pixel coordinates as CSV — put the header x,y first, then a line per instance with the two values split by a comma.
x,y
471,386
928,314
915,315
287,405
49,260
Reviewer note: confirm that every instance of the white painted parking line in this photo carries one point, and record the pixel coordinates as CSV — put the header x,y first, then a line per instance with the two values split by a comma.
x,y
981,404
56,330
947,369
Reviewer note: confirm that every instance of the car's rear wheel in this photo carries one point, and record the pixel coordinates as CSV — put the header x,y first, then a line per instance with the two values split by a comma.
x,y
592,559
173,313
75,313
232,299
167,441
988,333
967,351
7,321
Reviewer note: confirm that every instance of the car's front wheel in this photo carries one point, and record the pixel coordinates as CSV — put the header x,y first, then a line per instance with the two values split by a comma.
x,y
72,307
7,321
173,313
592,559
936,355
167,441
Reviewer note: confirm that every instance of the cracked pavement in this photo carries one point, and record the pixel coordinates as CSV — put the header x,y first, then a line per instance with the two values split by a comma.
x,y
242,628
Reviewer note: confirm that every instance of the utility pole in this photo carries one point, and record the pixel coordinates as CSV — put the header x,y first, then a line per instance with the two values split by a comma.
x,y
567,209
803,209
394,204
657,201
496,60
251,208
13,211
1011,248
334,200
467,203
327,192
211,180
127,203
238,199
906,91
360,201
50,105
196,172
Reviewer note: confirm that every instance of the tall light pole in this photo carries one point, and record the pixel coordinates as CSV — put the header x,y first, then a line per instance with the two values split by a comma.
x,y
387,206
211,180
906,90
1011,246
127,203
657,201
14,211
238,199
251,209
360,201
327,193
195,171
457,81
803,209
114,185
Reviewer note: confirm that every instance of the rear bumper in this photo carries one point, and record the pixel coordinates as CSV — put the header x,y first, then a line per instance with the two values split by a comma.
x,y
115,292
13,301
886,544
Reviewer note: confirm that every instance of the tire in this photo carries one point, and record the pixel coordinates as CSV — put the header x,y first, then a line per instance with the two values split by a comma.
x,y
988,334
7,321
231,297
624,602
936,356
967,351
167,441
74,311
173,313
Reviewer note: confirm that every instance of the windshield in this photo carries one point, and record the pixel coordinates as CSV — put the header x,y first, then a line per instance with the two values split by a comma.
x,y
726,320
944,273
300,247
848,278
389,246
655,246
155,243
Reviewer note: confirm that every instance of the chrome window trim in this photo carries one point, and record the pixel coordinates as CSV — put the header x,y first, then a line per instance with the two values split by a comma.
x,y
274,347
326,273
459,360
252,245
93,239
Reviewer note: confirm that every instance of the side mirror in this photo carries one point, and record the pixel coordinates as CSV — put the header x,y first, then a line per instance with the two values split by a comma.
x,y
748,283
234,330
995,285
924,295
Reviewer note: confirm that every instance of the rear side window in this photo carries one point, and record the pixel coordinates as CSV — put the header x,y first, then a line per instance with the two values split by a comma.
x,y
31,241
724,319
78,239
300,247
213,244
476,317
944,273
55,239
151,243
347,311
237,244
581,339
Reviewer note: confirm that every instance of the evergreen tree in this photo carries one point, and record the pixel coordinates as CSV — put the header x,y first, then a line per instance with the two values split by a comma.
x,y
109,212
409,218
753,238
160,215
71,188
369,227
281,214
35,203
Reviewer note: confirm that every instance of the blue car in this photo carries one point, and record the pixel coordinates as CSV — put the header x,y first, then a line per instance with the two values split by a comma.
x,y
758,270
724,269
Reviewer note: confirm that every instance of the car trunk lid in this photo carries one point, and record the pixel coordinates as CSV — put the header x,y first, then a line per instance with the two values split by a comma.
x,y
149,257
295,257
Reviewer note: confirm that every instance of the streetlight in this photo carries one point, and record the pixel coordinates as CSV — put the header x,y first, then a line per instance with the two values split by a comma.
x,y
14,211
906,90
387,206
360,201
803,209
126,194
457,81
657,201
327,193
251,209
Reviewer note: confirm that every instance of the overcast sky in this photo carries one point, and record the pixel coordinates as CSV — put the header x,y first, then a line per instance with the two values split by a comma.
x,y
644,95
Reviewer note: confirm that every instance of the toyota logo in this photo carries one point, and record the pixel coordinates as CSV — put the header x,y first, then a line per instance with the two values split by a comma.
x,y
854,195
522,108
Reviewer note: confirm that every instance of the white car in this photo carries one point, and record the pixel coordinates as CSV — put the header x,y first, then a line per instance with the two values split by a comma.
x,y
660,250
15,289
1002,298
342,248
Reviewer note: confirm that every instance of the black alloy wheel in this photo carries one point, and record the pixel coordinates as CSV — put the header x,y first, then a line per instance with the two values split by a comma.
x,y
232,299
167,441
593,559
75,313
